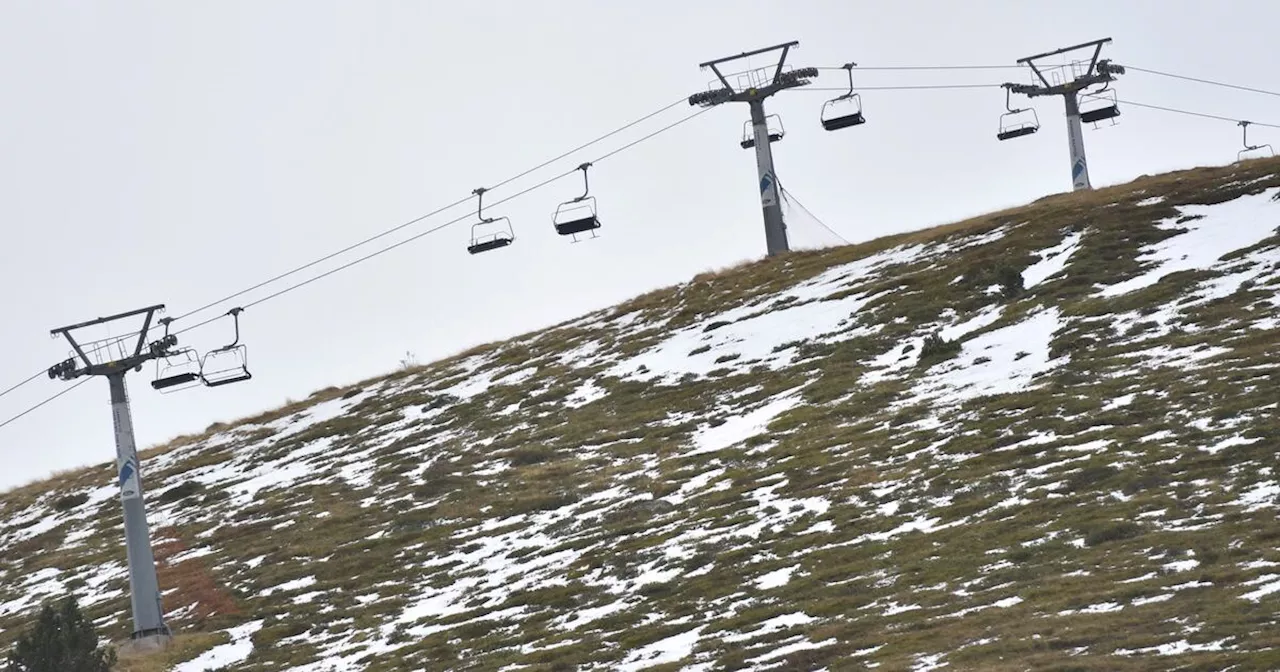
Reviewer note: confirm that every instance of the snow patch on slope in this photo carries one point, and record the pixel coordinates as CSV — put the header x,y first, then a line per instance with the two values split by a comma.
x,y
1221,229
1052,261
1001,361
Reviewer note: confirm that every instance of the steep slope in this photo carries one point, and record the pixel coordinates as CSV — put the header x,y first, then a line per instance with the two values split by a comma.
x,y
1042,438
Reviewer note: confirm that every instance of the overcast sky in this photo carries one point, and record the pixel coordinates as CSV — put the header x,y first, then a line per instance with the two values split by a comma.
x,y
159,152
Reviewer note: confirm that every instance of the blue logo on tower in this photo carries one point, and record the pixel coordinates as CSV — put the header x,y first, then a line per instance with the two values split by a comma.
x,y
1077,169
767,195
129,478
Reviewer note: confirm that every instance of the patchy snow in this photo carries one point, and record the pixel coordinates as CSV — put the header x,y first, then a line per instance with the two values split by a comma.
x,y
1223,444
668,650
738,429
290,586
776,578
772,625
788,649
224,655
1270,584
1001,361
1222,228
1260,496
983,319
741,338
1175,648
586,393
1052,261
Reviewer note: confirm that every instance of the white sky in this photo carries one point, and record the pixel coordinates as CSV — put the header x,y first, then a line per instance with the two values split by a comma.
x,y
155,152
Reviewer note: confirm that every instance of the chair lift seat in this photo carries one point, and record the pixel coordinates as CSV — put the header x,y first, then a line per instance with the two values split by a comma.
x,y
837,123
233,378
751,141
1016,132
491,244
1100,114
174,381
577,225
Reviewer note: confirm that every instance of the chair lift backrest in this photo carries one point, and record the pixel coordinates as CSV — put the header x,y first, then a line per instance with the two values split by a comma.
x,y
1009,131
187,375
577,215
165,380
230,374
843,119
775,133
1244,138
217,377
486,242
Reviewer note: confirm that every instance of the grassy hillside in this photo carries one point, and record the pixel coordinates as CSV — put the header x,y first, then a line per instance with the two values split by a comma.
x,y
1041,439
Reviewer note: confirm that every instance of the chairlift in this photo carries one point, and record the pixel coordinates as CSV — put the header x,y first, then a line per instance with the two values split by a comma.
x,y
1101,105
845,110
579,215
177,370
1240,156
484,237
776,133
228,364
1015,123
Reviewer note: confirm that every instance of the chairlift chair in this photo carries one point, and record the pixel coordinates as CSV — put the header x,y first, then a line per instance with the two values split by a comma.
x,y
178,370
578,215
484,237
1015,123
776,133
228,364
1102,105
845,110
1240,156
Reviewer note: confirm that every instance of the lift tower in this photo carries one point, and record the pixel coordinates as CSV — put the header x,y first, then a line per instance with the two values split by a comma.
x,y
112,359
753,87
1098,72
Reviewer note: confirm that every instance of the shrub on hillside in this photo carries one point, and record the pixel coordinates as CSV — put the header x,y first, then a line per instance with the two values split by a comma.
x,y
935,348
61,640
69,502
181,491
1010,279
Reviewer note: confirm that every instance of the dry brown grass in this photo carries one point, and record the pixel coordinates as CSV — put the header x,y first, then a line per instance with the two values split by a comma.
x,y
193,583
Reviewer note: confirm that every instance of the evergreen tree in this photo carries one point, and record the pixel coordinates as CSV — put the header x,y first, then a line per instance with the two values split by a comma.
x,y
62,640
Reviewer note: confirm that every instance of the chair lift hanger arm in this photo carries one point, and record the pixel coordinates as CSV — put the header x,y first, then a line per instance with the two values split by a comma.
x,y
586,186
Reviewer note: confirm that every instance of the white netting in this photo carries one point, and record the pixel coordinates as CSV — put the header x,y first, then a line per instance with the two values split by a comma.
x,y
804,230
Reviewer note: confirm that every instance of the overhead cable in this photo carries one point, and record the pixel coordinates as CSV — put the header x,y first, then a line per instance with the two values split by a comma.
x,y
450,222
432,213
390,247
1197,114
65,391
1203,81
18,385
